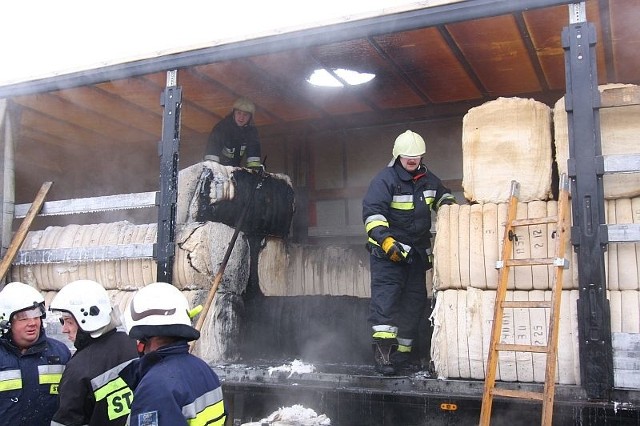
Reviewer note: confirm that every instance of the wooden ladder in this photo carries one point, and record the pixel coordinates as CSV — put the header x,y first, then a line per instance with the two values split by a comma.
x,y
551,348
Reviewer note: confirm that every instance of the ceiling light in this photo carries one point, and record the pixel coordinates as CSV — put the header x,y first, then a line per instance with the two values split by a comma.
x,y
322,77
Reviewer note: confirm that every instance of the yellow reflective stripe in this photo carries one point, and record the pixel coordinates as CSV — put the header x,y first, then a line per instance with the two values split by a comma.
x,y
402,206
109,381
207,409
50,374
108,388
402,202
374,242
10,384
375,220
403,348
211,416
384,335
48,379
369,226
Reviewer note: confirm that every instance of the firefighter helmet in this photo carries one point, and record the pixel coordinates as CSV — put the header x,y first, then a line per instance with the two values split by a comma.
x,y
89,304
409,144
16,297
244,104
159,309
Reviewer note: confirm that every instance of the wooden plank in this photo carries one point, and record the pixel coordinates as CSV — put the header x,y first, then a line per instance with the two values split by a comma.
x,y
20,235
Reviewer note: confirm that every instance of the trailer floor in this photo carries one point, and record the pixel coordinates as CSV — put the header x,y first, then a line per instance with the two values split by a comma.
x,y
354,395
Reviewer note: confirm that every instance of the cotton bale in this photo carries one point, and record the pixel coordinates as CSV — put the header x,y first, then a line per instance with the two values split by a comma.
x,y
503,140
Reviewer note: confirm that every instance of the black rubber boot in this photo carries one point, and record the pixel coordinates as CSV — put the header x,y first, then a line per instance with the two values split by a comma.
x,y
404,363
382,350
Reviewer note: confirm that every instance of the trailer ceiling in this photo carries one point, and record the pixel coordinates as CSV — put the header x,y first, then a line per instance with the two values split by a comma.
x,y
428,68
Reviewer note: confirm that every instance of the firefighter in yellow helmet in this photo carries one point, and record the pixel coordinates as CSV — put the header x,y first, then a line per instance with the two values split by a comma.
x,y
31,363
170,385
396,212
235,137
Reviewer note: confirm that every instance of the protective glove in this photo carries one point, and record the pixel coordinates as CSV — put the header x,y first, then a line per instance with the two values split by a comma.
x,y
396,251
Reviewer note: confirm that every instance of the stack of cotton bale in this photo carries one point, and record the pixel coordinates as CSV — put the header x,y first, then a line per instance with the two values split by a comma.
x,y
619,130
505,140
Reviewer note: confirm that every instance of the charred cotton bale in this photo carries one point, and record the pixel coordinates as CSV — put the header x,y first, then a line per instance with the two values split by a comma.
x,y
503,140
211,192
619,130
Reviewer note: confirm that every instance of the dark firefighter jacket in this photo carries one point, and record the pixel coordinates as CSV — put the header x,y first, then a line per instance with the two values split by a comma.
x,y
399,204
228,142
172,387
29,381
91,391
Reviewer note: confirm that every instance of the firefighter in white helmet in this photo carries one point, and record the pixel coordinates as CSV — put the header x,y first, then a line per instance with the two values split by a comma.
x,y
397,217
30,362
235,136
170,385
91,393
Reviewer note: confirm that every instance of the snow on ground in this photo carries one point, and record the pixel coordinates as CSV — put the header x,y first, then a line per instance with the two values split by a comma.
x,y
296,367
296,415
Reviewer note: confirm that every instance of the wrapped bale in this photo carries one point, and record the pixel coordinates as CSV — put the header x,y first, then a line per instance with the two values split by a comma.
x,y
300,270
503,140
462,321
619,129
468,243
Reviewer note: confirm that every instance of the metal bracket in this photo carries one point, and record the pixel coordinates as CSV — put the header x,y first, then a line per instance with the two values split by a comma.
x,y
577,13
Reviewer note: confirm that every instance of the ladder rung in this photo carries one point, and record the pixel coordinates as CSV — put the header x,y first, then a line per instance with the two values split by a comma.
x,y
526,304
535,261
521,348
514,393
534,221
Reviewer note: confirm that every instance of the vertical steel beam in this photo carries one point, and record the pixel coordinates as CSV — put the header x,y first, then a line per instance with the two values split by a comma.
x,y
588,233
171,100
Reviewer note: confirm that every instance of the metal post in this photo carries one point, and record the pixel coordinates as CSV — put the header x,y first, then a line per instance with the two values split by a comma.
x,y
168,150
588,233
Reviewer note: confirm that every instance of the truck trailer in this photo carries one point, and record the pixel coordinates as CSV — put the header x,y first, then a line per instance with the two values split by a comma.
x,y
123,144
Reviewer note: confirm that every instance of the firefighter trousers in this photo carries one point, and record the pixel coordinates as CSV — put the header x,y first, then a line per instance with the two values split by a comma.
x,y
398,294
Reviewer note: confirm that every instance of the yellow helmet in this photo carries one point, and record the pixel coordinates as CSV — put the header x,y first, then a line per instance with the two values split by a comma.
x,y
245,104
409,144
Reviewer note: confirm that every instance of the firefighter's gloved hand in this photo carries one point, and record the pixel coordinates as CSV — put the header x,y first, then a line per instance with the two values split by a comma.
x,y
396,251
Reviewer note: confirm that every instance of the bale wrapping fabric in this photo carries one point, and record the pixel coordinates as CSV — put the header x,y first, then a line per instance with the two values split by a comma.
x,y
503,140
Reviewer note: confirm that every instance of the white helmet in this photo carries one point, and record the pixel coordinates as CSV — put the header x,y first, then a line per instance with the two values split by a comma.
x,y
245,104
16,297
89,304
409,144
159,309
